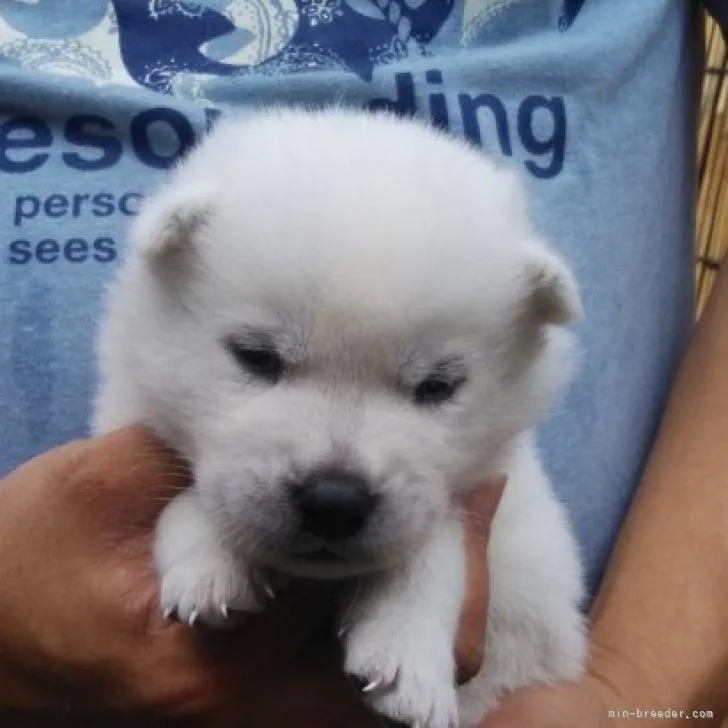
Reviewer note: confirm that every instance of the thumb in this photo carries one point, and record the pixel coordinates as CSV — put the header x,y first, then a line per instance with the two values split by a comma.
x,y
130,475
479,507
519,711
563,705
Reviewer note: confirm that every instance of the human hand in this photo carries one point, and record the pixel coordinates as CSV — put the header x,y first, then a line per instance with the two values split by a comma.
x,y
610,695
89,634
80,624
584,704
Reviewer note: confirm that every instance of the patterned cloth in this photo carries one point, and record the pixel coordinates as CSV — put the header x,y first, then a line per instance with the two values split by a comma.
x,y
593,100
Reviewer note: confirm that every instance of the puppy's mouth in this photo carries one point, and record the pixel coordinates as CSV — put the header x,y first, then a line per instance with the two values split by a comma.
x,y
321,556
324,562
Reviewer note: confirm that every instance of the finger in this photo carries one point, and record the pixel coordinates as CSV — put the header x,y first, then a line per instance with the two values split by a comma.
x,y
130,475
564,705
479,507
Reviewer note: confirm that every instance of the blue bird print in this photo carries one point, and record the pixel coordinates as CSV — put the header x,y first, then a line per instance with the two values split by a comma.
x,y
159,40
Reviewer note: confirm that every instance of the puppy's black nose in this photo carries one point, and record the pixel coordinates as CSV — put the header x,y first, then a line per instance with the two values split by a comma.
x,y
333,505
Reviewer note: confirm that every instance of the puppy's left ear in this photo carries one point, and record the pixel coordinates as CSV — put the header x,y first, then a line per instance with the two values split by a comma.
x,y
551,295
170,221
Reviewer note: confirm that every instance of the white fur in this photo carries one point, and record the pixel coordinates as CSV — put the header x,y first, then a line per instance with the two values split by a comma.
x,y
367,248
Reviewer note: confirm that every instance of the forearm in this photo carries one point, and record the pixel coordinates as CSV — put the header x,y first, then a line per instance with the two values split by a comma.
x,y
663,608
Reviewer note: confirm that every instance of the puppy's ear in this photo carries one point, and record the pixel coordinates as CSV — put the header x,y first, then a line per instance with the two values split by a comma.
x,y
170,221
551,292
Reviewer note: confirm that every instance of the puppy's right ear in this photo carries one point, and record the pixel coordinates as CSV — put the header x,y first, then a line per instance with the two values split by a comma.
x,y
170,221
552,295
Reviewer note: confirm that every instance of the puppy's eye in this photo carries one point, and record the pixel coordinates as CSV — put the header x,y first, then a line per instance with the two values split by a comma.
x,y
435,390
264,363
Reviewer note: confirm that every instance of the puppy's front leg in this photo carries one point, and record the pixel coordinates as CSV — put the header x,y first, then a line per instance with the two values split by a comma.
x,y
400,633
200,580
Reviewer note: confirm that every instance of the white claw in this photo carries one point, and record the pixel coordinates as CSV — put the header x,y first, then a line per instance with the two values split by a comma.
x,y
167,613
268,589
373,685
193,617
224,611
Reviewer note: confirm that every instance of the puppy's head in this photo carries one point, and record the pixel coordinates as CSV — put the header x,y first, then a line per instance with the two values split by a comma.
x,y
341,319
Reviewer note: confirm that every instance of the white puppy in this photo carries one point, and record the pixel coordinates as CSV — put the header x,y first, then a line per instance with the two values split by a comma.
x,y
343,321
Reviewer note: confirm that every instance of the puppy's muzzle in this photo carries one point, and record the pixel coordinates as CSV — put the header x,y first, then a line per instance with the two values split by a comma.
x,y
333,505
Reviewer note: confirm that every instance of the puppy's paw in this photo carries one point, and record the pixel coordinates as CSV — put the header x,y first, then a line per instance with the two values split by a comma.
x,y
207,590
405,672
